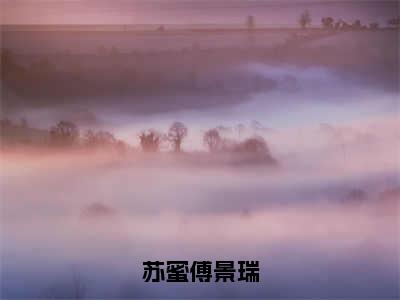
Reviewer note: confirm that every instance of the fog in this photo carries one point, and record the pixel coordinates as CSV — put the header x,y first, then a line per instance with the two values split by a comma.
x,y
320,214
313,237
302,97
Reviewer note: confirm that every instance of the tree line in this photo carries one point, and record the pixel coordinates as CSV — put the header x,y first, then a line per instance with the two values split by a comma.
x,y
328,22
66,134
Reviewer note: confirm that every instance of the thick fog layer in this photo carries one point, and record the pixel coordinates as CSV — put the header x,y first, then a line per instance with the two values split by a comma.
x,y
326,228
315,199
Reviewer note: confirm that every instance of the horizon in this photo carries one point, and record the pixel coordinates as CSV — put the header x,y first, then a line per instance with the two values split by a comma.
x,y
193,11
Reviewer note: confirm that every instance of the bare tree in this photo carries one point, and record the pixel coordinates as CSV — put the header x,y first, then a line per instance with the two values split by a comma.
x,y
327,22
150,140
338,24
357,24
240,128
374,25
100,138
394,22
114,51
212,140
250,22
177,132
65,133
355,196
161,28
345,25
305,19
24,123
101,50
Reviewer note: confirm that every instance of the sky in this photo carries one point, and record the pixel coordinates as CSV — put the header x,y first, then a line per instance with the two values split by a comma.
x,y
266,12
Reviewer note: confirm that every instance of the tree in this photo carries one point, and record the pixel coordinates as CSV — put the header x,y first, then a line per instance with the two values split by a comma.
x,y
89,138
100,138
114,51
98,210
327,22
161,28
345,25
150,140
65,133
212,140
5,123
240,128
24,123
177,132
250,22
356,196
305,19
374,25
338,24
251,150
357,24
394,22
101,50
255,144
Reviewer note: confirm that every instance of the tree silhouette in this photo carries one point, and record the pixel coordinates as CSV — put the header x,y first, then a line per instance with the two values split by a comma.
x,y
338,24
101,50
89,138
177,132
212,140
150,140
104,139
250,22
65,133
5,122
305,19
254,149
357,24
161,28
327,22
374,25
355,196
240,128
255,144
394,22
345,25
100,138
24,123
114,51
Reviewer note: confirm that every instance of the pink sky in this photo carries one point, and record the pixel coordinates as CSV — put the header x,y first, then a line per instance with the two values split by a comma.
x,y
267,12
